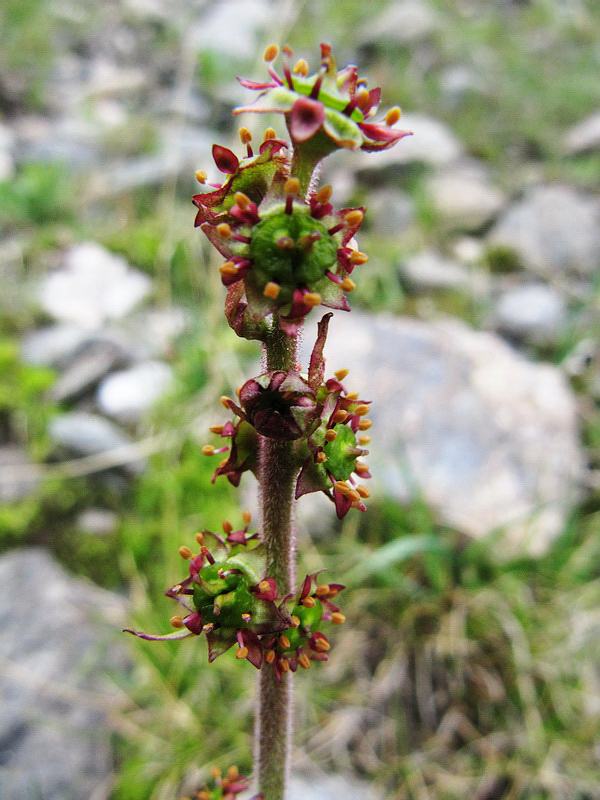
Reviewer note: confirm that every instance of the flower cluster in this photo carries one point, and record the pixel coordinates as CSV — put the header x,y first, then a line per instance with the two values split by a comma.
x,y
224,787
229,598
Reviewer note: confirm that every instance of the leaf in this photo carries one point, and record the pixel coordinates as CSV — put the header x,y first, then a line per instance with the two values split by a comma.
x,y
395,552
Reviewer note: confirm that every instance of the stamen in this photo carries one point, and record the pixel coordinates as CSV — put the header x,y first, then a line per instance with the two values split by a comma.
x,y
228,268
200,176
270,134
287,50
232,773
348,285
361,410
321,458
227,526
185,552
364,424
354,217
264,587
246,517
241,652
358,258
392,116
322,645
270,656
364,439
308,602
176,621
353,495
271,53
284,665
340,416
291,186
304,661
362,97
209,627
324,194
338,618
312,299
271,290
360,467
226,401
242,200
207,554
322,590
224,230
245,135
341,374
247,618
286,243
363,492
199,537
208,450
216,428
301,68
284,642
351,396
342,487
330,435
295,621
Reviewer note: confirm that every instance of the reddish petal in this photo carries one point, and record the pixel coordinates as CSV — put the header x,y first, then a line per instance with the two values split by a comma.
x,y
225,159
306,118
257,85
381,137
270,593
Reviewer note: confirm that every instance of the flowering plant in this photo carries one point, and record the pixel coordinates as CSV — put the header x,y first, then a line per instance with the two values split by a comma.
x,y
286,252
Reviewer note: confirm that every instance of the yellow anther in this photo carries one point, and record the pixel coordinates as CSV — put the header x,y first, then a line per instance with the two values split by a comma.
x,y
392,116
227,526
330,435
287,50
338,618
215,772
232,773
203,795
199,537
353,495
200,176
284,642
271,290
216,428
320,591
324,194
360,467
245,135
357,258
224,230
364,439
228,268
270,134
238,391
291,186
341,374
223,462
208,450
308,602
295,621
246,518
247,618
321,457
301,67
304,661
312,299
176,621
209,627
284,665
354,218
364,424
340,415
242,200
225,401
361,410
363,491
322,645
351,396
342,487
271,53
185,552
264,586
270,656
241,652
362,96
348,285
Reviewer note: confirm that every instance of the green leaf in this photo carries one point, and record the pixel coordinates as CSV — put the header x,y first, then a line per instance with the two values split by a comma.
x,y
394,552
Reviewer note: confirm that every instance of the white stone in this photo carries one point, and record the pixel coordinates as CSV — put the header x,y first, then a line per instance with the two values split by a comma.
x,y
405,22
128,394
92,287
535,312
464,199
585,136
430,270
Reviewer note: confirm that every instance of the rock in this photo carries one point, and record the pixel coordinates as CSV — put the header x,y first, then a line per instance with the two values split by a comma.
x,y
464,199
97,521
584,137
390,212
61,654
486,437
127,395
157,329
91,363
19,476
92,287
536,313
333,787
457,83
232,28
7,166
54,345
405,23
86,434
554,229
430,270
432,143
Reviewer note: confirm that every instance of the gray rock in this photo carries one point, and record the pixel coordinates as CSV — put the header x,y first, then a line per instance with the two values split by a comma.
x,y
61,659
129,394
7,165
457,83
585,136
92,287
333,787
54,345
536,313
85,434
486,437
19,476
91,363
430,270
432,143
406,22
97,521
390,212
464,199
156,329
554,229
232,28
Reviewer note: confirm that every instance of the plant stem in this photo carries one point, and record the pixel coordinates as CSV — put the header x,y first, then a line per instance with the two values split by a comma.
x,y
277,473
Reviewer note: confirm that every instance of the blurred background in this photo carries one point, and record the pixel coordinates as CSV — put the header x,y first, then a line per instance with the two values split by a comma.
x,y
469,663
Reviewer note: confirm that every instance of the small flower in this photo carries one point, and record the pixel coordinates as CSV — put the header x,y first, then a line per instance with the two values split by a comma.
x,y
280,405
224,787
243,450
330,109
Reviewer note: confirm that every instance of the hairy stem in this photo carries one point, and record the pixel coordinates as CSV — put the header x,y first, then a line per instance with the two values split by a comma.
x,y
277,475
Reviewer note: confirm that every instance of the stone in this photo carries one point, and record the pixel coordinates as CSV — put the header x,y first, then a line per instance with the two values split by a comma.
x,y
463,198
432,144
91,363
129,394
232,28
333,787
457,83
488,439
390,212
7,165
19,476
405,23
62,656
429,271
535,313
584,137
86,434
53,345
554,229
97,521
92,287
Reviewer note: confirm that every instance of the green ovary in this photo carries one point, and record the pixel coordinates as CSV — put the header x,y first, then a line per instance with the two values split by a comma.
x,y
341,459
291,267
